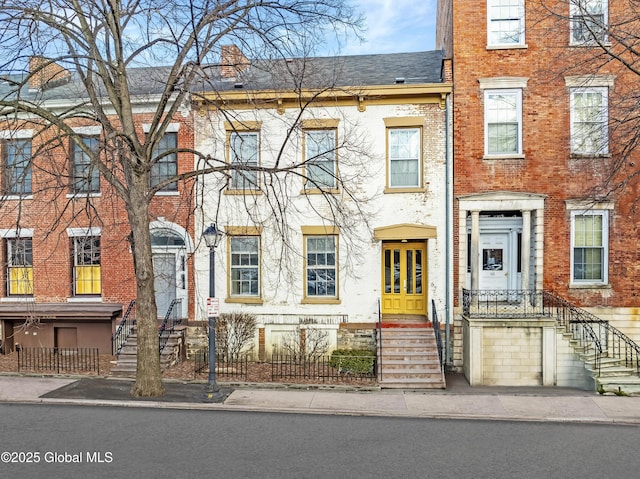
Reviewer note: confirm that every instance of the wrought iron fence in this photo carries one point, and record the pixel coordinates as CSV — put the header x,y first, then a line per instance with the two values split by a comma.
x,y
59,360
227,366
513,303
324,368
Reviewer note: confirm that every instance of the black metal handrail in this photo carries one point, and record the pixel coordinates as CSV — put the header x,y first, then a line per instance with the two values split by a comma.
x,y
379,341
127,324
436,329
169,323
614,343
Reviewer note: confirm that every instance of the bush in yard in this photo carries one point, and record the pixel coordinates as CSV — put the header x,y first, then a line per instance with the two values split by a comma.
x,y
235,333
353,361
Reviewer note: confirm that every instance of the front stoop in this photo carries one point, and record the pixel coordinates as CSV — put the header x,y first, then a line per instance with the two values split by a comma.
x,y
409,358
126,363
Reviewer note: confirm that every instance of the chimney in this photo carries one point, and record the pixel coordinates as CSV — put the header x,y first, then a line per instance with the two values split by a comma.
x,y
233,61
45,73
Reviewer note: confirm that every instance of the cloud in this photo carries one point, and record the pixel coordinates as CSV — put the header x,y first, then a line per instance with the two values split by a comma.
x,y
395,26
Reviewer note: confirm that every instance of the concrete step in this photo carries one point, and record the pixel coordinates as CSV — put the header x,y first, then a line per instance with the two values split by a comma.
x,y
417,383
624,385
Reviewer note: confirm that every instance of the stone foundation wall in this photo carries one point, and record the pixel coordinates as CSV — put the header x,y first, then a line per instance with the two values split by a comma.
x,y
357,336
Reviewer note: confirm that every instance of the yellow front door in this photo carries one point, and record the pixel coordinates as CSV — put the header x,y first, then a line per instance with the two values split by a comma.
x,y
404,278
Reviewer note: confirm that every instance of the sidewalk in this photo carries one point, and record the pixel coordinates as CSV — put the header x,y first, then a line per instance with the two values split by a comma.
x,y
459,400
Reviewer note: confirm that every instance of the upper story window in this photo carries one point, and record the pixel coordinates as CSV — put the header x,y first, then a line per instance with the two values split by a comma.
x,y
320,158
243,157
404,153
86,265
505,23
86,177
16,156
165,164
19,267
503,122
588,21
589,121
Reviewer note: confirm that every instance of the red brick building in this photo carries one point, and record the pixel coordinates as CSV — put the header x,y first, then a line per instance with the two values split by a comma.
x,y
67,274
535,103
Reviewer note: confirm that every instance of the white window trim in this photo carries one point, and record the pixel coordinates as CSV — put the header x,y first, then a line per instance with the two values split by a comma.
x,y
604,91
602,211
519,152
16,233
520,44
16,134
91,231
420,158
573,10
95,130
171,128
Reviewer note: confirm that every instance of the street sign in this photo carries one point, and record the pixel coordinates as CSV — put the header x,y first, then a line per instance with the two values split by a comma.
x,y
213,307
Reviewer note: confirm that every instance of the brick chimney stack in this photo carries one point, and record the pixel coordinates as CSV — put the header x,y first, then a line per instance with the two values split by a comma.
x,y
45,73
233,61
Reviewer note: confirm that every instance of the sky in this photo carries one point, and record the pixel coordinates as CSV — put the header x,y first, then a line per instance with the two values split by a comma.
x,y
395,26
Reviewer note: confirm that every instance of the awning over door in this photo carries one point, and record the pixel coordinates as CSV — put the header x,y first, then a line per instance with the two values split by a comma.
x,y
404,231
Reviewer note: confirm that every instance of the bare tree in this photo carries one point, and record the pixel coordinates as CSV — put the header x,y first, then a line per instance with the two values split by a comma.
x,y
590,38
97,46
235,333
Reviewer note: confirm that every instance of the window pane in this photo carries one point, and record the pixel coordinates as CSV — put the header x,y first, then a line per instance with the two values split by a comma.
x,y
20,267
243,153
589,128
503,123
505,22
404,157
245,265
86,177
588,254
166,162
17,174
321,158
321,266
87,270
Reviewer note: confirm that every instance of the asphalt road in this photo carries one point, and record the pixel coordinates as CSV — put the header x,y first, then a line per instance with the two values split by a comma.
x,y
43,441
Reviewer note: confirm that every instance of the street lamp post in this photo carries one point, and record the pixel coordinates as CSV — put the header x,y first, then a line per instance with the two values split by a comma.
x,y
212,237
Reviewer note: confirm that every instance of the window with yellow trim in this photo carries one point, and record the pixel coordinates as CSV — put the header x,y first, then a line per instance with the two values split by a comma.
x,y
86,270
243,158
20,267
321,275
405,157
320,158
245,266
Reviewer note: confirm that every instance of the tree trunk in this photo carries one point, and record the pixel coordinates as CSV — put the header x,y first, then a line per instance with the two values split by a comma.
x,y
148,373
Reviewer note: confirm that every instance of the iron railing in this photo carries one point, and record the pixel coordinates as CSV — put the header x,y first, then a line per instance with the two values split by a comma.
x,y
323,368
379,338
227,366
126,326
503,303
436,329
596,336
172,318
59,360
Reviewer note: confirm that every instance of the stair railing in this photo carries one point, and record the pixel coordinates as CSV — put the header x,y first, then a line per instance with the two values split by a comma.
x,y
172,318
124,329
379,332
613,342
436,329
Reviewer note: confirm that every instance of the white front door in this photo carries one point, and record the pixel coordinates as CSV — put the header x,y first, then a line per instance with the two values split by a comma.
x,y
164,268
494,264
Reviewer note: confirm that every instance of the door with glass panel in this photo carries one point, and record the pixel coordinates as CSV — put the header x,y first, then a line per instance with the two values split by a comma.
x,y
404,278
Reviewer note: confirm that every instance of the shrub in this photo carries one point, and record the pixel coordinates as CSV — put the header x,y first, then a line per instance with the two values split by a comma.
x,y
235,333
353,361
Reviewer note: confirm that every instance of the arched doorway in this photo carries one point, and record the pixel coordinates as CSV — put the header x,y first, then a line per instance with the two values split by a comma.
x,y
170,245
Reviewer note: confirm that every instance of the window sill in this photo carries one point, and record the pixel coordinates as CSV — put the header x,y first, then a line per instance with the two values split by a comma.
x,y
83,195
243,192
318,191
589,44
588,156
514,156
166,193
244,300
18,197
515,46
389,190
589,286
321,301
17,299
85,299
